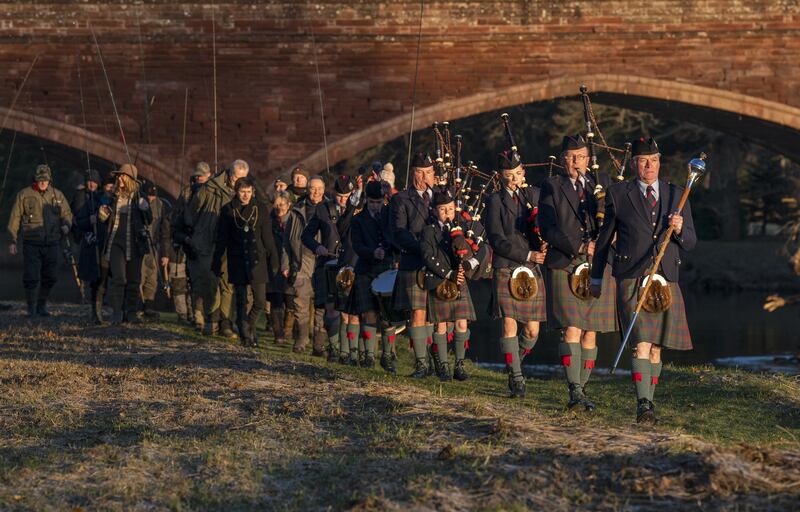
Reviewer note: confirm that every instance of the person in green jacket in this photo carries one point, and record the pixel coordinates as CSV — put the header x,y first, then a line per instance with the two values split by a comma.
x,y
200,220
40,217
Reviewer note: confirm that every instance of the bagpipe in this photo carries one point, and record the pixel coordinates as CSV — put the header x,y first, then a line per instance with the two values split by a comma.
x,y
580,280
469,187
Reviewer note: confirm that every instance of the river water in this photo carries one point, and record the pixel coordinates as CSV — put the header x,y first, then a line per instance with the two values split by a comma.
x,y
722,325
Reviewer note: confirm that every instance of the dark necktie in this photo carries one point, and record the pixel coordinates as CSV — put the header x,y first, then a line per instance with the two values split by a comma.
x,y
426,199
651,197
580,190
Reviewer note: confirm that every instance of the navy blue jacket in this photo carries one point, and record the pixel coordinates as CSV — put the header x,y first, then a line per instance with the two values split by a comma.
x,y
409,216
639,233
563,223
334,230
507,228
367,234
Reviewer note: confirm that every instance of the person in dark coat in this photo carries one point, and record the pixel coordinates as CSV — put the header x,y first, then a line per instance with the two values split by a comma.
x,y
126,217
328,235
244,234
512,229
411,212
568,217
448,256
92,268
370,235
282,320
638,213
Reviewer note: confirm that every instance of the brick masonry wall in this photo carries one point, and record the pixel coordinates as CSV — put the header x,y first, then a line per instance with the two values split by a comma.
x,y
267,95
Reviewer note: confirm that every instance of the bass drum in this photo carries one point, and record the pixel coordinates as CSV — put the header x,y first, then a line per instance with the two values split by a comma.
x,y
382,288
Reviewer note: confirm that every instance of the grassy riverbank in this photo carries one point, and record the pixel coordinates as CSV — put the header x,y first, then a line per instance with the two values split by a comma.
x,y
155,417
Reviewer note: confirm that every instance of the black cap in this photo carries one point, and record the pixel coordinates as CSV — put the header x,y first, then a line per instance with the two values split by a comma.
x,y
570,142
374,190
150,189
93,175
442,196
344,184
642,147
377,167
110,180
508,160
421,160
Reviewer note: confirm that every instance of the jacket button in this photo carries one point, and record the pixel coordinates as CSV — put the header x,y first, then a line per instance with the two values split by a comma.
x,y
679,262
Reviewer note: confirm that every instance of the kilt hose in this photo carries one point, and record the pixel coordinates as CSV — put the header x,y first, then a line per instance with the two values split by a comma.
x,y
564,309
504,305
668,329
450,311
407,295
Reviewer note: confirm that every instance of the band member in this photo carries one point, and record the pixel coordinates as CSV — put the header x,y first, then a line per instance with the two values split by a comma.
x,y
298,261
127,217
370,235
568,221
446,254
638,213
328,235
511,227
42,214
244,234
411,211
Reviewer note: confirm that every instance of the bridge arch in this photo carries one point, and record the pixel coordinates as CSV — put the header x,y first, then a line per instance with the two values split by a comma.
x,y
75,137
774,124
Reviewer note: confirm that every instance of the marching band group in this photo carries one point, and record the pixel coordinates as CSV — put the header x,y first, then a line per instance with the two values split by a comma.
x,y
354,268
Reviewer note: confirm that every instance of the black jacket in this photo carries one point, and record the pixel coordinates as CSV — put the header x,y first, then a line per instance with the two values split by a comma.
x,y
409,216
91,245
628,216
334,230
564,223
247,250
510,234
367,234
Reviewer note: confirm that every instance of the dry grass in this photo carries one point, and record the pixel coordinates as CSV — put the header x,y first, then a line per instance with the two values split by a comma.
x,y
146,418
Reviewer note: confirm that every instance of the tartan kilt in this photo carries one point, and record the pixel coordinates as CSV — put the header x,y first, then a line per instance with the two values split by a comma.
x,y
323,288
341,299
504,305
668,329
407,295
361,298
564,309
450,311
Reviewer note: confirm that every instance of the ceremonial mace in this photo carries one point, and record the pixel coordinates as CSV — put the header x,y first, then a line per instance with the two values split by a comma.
x,y
697,168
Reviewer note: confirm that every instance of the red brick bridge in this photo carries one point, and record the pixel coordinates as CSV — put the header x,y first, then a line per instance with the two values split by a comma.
x,y
730,65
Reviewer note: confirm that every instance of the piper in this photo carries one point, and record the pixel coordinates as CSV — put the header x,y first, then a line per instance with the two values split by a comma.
x,y
640,213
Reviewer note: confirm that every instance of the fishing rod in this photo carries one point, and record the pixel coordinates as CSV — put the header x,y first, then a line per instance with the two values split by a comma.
x,y
8,165
321,101
66,251
144,80
88,165
147,234
414,92
214,80
183,137
19,91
